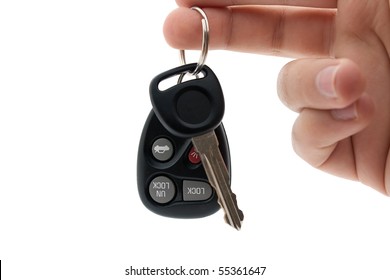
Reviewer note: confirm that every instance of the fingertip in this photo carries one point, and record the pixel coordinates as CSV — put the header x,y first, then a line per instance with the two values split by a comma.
x,y
361,110
183,3
349,82
174,27
181,29
316,132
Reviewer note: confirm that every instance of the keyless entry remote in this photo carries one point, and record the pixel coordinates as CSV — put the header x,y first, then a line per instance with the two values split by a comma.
x,y
184,168
171,179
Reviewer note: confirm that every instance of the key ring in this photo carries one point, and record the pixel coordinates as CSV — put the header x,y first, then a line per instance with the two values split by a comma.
x,y
205,43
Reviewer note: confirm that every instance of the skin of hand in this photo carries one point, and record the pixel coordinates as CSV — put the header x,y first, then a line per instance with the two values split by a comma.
x,y
339,83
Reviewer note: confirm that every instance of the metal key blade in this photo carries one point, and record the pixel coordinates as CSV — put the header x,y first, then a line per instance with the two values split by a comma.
x,y
233,215
208,148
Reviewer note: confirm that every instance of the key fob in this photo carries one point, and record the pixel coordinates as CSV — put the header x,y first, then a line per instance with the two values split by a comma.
x,y
170,175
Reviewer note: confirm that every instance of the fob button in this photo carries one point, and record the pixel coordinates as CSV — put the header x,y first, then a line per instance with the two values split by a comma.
x,y
193,107
162,149
196,190
193,156
162,189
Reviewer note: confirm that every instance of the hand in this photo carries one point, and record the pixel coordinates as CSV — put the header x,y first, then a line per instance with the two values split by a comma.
x,y
340,83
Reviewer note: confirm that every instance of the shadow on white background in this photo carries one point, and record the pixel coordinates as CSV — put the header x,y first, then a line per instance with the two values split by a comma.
x,y
74,78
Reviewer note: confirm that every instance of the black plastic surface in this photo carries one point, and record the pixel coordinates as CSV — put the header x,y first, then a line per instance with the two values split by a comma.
x,y
178,168
190,108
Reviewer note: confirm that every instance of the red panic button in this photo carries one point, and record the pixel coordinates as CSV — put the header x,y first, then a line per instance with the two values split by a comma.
x,y
193,156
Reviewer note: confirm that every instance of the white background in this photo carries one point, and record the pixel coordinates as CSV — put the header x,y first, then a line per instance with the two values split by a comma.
x,y
74,78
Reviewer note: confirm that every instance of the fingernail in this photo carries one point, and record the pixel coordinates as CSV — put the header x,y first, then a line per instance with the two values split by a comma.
x,y
345,114
325,81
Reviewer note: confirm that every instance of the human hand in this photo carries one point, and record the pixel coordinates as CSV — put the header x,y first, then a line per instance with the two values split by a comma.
x,y
339,85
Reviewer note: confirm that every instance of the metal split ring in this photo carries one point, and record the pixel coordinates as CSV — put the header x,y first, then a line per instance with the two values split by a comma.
x,y
205,44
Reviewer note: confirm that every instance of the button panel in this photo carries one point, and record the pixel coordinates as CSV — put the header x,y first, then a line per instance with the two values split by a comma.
x,y
171,179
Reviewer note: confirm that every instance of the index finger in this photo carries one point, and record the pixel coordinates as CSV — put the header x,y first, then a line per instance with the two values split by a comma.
x,y
277,30
223,3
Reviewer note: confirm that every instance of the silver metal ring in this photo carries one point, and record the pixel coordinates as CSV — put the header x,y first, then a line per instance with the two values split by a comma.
x,y
205,43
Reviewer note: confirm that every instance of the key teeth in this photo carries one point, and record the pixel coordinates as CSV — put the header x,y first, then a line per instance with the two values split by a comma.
x,y
240,213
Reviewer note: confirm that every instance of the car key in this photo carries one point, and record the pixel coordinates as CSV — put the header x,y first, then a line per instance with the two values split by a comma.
x,y
193,109
171,179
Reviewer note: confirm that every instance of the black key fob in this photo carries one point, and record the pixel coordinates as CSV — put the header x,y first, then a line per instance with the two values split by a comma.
x,y
170,175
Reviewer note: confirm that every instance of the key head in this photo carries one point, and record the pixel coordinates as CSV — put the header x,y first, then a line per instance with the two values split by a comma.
x,y
190,108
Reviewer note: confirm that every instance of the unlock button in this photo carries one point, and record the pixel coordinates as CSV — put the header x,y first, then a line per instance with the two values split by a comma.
x,y
196,190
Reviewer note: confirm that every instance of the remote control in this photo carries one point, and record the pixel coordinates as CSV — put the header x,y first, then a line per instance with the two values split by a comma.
x,y
171,179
